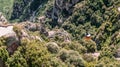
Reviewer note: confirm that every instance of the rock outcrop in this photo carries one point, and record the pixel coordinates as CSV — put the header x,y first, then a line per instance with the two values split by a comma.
x,y
2,18
13,34
11,38
62,33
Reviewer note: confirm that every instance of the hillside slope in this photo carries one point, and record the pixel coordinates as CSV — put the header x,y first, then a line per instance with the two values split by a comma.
x,y
60,33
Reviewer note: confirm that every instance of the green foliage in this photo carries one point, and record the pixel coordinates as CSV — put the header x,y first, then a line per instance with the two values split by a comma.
x,y
74,46
89,58
2,41
71,58
53,47
36,53
3,54
17,29
90,45
55,62
46,7
6,7
100,18
107,62
106,52
16,60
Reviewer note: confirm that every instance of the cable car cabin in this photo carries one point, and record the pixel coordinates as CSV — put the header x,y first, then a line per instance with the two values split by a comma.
x,y
87,37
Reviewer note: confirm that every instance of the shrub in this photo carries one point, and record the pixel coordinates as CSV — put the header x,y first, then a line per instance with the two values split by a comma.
x,y
71,58
90,45
106,52
16,60
55,62
2,41
74,46
36,53
52,47
4,55
88,58
107,62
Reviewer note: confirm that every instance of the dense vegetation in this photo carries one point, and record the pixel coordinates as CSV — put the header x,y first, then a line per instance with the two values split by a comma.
x,y
6,7
100,18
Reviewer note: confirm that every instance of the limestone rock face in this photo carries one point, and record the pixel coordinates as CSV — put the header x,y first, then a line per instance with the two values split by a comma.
x,y
30,26
2,18
11,38
6,31
61,33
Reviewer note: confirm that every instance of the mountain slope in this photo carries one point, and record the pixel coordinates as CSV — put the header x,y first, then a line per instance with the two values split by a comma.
x,y
61,33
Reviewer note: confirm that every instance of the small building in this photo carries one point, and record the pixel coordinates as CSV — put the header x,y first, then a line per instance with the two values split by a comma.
x,y
88,36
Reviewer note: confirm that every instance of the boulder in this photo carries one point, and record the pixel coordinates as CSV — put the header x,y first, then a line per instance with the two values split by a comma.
x,y
51,34
12,41
31,26
2,19
6,30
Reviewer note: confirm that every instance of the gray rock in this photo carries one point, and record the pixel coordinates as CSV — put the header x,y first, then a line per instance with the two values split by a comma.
x,y
61,33
31,26
2,19
11,38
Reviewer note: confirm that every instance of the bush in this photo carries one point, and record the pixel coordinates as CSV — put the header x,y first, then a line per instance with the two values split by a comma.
x,y
106,52
55,62
16,60
52,47
89,58
2,41
35,53
74,46
107,62
90,45
4,55
71,58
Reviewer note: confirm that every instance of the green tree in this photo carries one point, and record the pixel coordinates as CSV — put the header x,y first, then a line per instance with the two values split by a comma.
x,y
36,53
16,60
